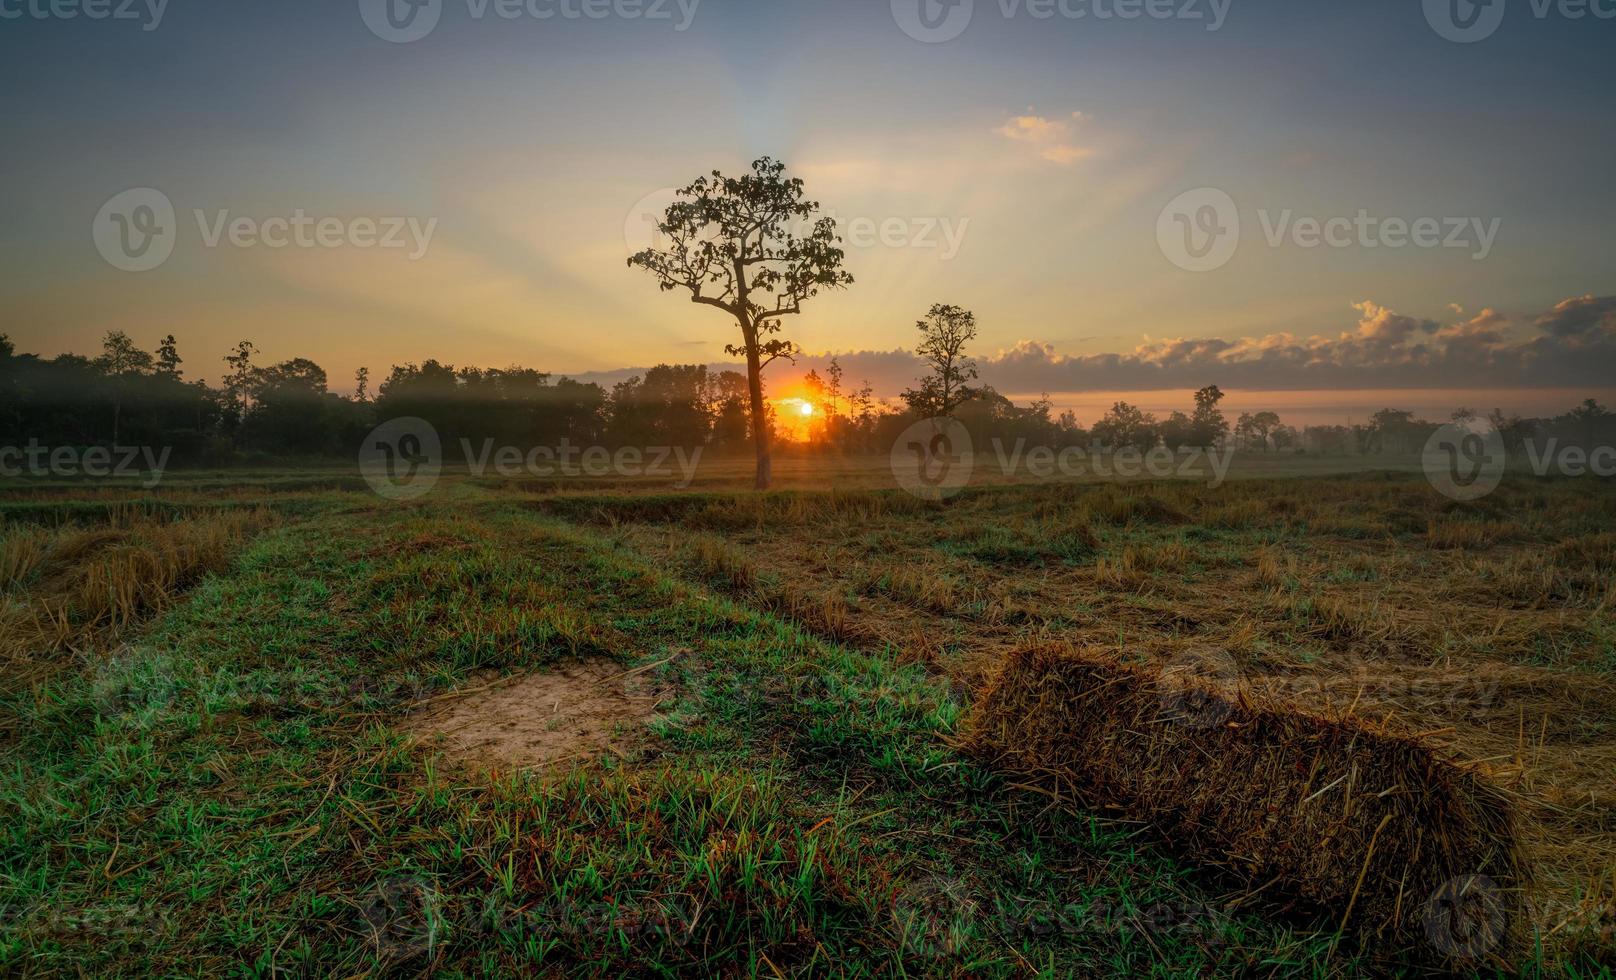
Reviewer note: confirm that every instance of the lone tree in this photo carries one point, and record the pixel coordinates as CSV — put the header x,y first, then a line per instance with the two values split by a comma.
x,y
739,244
1207,424
943,335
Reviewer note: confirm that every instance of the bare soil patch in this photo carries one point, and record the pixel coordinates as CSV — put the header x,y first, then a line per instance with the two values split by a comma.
x,y
570,714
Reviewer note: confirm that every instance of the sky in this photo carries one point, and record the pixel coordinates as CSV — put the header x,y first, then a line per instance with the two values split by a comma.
x,y
1418,216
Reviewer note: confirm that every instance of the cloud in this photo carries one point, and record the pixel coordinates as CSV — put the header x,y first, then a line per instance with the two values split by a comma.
x,y
1580,315
1571,346
1052,137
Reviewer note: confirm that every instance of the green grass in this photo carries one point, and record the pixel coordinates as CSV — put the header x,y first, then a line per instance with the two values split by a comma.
x,y
228,794
227,790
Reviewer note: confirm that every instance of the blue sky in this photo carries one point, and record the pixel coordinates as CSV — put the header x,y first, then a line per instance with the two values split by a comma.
x,y
1047,147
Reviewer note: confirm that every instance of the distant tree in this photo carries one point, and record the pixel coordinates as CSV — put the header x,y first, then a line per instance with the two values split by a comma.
x,y
1590,415
1463,415
732,247
291,408
1177,430
1327,438
1262,426
7,349
728,410
1513,429
1070,431
362,384
814,386
120,361
239,382
120,356
1245,431
1126,425
1389,428
1208,424
833,389
943,335
862,406
667,407
168,358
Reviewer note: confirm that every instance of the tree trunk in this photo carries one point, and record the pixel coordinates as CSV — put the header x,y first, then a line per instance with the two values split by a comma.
x,y
760,421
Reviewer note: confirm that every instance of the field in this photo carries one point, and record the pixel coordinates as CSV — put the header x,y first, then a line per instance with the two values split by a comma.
x,y
272,724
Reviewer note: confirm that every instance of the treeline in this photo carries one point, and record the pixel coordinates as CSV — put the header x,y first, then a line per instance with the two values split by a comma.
x,y
125,395
1387,431
129,396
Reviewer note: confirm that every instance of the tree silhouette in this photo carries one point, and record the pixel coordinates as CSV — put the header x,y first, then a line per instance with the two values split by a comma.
x,y
943,335
121,360
1208,422
731,244
1590,414
168,357
1263,426
1126,425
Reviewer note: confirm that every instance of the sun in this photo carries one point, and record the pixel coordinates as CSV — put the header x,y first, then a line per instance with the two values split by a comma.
x,y
806,410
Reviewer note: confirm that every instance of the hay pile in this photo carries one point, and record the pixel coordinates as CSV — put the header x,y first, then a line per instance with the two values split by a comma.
x,y
1366,828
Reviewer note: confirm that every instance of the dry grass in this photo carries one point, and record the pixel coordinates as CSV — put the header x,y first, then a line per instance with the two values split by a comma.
x,y
1358,822
70,588
1333,595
